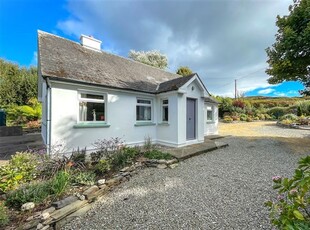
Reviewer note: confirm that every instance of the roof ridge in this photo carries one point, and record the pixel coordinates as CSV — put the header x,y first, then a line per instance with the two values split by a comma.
x,y
112,54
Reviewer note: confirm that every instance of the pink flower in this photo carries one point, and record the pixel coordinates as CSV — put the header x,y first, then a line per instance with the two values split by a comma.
x,y
280,197
293,192
276,179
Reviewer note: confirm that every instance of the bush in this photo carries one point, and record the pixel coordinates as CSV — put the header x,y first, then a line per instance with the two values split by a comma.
x,y
83,178
277,112
37,192
239,104
33,124
106,148
290,116
235,118
261,117
20,169
303,107
4,218
228,119
286,122
243,117
156,154
249,119
291,208
256,118
103,166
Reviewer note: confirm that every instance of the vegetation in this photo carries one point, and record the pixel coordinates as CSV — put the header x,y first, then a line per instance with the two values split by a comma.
x,y
291,208
184,71
289,56
152,58
4,218
156,154
261,108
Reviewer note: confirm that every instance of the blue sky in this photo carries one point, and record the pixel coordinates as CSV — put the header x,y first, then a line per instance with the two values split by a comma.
x,y
220,40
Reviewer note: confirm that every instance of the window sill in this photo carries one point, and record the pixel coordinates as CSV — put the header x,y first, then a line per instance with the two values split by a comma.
x,y
145,124
91,125
210,122
164,123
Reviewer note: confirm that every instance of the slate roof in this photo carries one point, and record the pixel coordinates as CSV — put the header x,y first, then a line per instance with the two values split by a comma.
x,y
65,60
211,100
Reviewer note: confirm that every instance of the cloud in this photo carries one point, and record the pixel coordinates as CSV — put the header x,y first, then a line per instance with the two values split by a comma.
x,y
34,60
279,94
220,40
266,91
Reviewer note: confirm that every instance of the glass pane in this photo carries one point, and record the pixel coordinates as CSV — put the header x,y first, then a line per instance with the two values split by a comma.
x,y
165,102
143,113
165,113
209,115
92,96
209,108
92,111
140,101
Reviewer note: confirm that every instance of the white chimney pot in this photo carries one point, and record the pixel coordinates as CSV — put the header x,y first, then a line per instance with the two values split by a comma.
x,y
90,42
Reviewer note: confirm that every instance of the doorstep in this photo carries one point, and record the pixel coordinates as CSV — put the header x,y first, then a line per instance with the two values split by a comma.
x,y
185,152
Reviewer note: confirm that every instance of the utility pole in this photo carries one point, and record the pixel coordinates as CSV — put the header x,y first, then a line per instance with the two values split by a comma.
x,y
235,88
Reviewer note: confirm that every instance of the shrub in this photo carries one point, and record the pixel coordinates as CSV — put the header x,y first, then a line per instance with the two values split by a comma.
x,y
286,122
106,148
304,107
243,117
33,124
34,192
249,119
256,118
239,104
83,178
228,119
267,116
59,183
4,218
156,154
289,116
103,166
277,112
21,168
37,192
261,117
235,118
291,209
148,146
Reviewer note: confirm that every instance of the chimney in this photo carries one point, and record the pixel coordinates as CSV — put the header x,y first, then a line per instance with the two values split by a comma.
x,y
90,42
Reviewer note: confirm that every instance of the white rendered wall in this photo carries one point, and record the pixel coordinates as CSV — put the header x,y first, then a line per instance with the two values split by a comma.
x,y
211,127
167,133
120,115
44,111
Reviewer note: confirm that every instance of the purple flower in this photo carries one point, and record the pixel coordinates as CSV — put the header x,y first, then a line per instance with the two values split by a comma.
x,y
276,179
293,192
280,197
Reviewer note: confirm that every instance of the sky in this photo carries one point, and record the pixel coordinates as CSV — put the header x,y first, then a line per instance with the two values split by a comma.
x,y
221,40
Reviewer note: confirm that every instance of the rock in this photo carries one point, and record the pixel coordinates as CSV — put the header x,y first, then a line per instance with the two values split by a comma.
x,y
114,181
90,191
169,162
27,206
40,226
101,181
104,186
30,218
45,216
62,203
152,165
45,227
94,196
65,211
81,197
162,166
30,225
49,210
172,166
126,169
125,174
162,162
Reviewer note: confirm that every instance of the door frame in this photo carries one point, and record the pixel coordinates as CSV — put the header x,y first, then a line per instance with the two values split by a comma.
x,y
195,118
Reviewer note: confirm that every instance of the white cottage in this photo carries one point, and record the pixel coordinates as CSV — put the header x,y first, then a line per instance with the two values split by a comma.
x,y
88,94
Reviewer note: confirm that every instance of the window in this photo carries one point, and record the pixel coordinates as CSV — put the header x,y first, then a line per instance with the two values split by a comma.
x,y
91,107
144,110
209,113
165,110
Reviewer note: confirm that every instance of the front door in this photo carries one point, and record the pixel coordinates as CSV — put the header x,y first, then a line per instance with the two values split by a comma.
x,y
190,119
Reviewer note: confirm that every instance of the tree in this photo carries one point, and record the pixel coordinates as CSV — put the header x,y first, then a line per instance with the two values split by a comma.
x,y
152,58
17,85
289,56
184,71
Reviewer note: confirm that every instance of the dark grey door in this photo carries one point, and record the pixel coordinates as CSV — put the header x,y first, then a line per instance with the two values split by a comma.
x,y
190,119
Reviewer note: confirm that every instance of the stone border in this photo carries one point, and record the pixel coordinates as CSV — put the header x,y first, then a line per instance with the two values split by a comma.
x,y
293,126
65,210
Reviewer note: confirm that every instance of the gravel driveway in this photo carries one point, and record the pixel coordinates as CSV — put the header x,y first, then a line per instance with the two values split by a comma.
x,y
223,189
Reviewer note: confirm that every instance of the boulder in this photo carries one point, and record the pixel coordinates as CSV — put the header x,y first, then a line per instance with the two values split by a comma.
x,y
27,206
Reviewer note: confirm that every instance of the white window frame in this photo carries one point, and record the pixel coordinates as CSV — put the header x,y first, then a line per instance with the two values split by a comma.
x,y
212,111
104,101
145,105
162,109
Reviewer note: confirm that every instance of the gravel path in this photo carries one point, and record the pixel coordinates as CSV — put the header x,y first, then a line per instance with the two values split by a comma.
x,y
261,129
223,189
